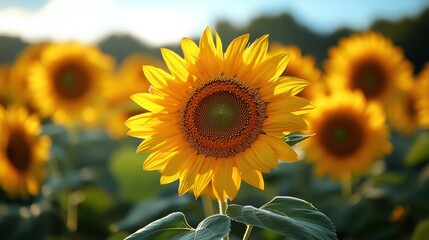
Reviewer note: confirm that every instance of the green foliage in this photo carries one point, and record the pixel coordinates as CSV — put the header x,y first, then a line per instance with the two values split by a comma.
x,y
419,151
422,231
147,210
175,226
295,138
291,217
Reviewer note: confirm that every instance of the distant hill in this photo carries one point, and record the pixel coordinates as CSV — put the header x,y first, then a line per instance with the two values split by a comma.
x,y
9,48
410,33
122,45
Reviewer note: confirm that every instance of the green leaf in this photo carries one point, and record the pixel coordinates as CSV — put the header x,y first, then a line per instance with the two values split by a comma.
x,y
214,227
419,151
291,217
175,227
295,138
421,232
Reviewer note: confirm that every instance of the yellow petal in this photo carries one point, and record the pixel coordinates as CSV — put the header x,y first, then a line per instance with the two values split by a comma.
x,y
256,52
283,85
265,153
157,160
211,64
255,162
204,176
219,48
190,50
233,185
284,103
234,55
176,64
221,172
161,141
179,161
192,168
281,148
169,179
269,70
156,76
277,125
148,101
248,173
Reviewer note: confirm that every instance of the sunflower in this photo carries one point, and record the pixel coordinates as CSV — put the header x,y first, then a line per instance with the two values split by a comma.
x,y
218,118
350,135
422,100
300,66
369,62
403,110
20,72
70,77
129,80
22,152
4,85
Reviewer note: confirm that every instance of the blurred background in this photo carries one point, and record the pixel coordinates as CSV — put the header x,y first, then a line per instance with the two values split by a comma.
x,y
91,185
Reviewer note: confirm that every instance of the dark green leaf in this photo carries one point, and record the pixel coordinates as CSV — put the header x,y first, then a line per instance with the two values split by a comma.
x,y
422,231
214,227
291,217
295,138
419,151
167,227
175,227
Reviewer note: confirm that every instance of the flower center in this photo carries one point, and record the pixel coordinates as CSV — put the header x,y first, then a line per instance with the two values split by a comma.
x,y
369,77
341,135
411,109
222,117
72,81
18,151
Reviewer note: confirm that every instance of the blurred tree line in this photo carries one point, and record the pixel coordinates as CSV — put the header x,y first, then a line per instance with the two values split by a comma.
x,y
410,33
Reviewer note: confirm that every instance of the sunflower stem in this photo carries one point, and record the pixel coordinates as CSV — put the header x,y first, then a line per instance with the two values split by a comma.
x,y
71,206
247,233
223,206
346,187
207,206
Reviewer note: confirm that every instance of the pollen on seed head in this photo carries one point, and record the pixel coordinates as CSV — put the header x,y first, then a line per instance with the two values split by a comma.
x,y
222,117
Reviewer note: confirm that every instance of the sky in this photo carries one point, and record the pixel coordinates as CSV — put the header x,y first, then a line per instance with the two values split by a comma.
x,y
160,22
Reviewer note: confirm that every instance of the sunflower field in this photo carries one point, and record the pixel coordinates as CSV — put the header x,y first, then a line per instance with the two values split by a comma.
x,y
233,134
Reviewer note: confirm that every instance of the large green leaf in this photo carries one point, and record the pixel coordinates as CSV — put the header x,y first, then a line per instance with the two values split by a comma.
x,y
291,217
175,227
295,138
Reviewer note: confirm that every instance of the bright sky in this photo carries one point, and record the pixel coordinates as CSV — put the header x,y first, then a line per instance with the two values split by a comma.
x,y
158,22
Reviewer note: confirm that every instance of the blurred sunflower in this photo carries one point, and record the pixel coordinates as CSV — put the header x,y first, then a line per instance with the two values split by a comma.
x,y
368,62
22,152
20,72
70,77
300,66
403,110
350,135
218,118
129,80
4,85
422,99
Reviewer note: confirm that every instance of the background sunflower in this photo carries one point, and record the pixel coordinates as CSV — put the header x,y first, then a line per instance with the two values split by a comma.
x,y
94,187
350,135
22,152
70,76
